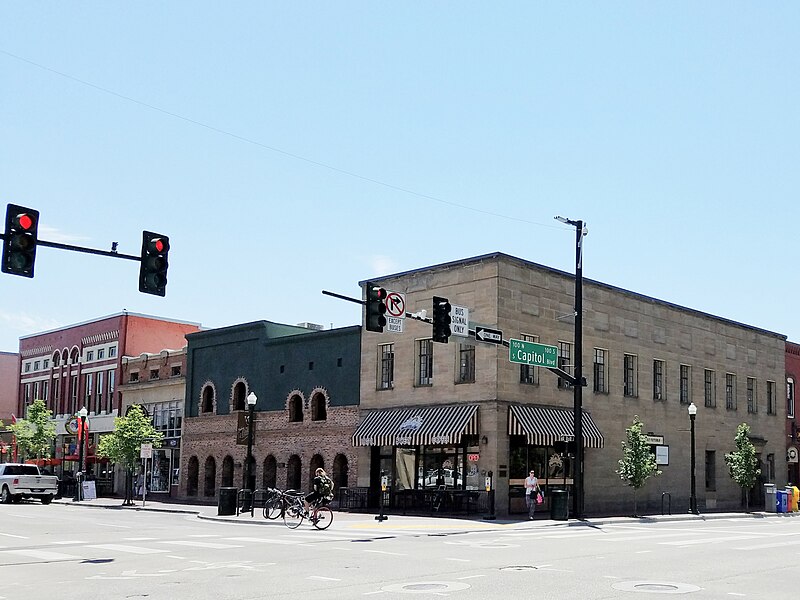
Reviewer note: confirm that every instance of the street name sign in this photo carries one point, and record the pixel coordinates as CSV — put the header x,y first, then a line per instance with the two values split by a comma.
x,y
460,321
531,353
493,336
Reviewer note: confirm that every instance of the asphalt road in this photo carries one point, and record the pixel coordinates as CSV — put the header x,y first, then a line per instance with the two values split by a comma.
x,y
63,552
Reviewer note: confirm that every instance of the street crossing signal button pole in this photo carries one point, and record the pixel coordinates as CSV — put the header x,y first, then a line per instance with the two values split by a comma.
x,y
154,263
376,308
441,319
20,240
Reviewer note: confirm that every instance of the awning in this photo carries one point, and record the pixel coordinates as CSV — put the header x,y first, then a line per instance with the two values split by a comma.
x,y
431,425
544,425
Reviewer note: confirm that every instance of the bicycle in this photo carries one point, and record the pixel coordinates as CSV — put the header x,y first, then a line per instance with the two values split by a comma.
x,y
276,502
321,516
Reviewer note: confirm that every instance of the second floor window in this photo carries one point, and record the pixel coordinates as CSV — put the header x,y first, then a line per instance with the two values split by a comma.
x,y
466,364
658,380
709,388
600,371
385,366
790,397
424,362
752,399
629,374
730,391
771,404
529,373
686,391
564,362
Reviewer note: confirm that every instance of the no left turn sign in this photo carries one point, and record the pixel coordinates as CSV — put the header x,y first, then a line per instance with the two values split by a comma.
x,y
396,305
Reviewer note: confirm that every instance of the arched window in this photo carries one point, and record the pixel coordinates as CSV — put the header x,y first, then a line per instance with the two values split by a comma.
x,y
210,477
319,411
317,462
56,358
340,471
192,475
227,472
293,476
270,472
295,409
208,399
239,391
73,357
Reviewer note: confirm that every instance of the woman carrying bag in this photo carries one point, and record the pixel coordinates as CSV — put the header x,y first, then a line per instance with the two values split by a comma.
x,y
532,493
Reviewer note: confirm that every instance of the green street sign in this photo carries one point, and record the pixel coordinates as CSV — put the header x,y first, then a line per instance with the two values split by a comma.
x,y
531,353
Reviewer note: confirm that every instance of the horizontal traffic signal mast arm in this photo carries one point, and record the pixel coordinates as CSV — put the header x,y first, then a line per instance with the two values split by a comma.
x,y
87,250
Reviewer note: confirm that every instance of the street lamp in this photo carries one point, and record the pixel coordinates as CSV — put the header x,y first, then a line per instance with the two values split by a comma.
x,y
81,441
693,496
246,485
580,232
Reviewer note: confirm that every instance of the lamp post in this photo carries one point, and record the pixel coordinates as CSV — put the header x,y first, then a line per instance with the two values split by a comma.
x,y
577,499
251,405
81,441
693,495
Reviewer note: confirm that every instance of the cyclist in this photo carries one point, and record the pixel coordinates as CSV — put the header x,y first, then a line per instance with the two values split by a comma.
x,y
322,489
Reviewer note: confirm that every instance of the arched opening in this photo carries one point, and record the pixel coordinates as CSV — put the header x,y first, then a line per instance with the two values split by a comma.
x,y
317,462
56,358
319,411
270,472
293,473
192,476
340,471
227,471
295,409
208,399
210,477
73,357
239,391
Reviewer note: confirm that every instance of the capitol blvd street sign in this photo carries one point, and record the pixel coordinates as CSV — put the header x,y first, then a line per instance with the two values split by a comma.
x,y
531,353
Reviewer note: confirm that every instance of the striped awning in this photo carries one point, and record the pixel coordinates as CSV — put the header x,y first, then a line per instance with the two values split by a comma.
x,y
545,425
432,425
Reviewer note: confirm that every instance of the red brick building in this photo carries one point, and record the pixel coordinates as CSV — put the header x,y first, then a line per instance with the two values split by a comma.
x,y
80,365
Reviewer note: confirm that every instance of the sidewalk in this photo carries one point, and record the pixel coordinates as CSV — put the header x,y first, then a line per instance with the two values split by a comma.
x,y
364,520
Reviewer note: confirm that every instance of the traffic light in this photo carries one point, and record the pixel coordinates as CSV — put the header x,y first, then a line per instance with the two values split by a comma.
x,y
376,308
154,263
441,319
19,243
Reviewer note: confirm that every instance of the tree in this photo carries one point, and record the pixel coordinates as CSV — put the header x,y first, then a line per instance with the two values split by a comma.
x,y
36,432
637,464
123,446
743,463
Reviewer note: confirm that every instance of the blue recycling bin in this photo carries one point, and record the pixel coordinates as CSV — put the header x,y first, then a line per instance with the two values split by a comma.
x,y
780,501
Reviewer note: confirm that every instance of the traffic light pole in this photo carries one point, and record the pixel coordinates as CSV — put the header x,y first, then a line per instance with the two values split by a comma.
x,y
87,250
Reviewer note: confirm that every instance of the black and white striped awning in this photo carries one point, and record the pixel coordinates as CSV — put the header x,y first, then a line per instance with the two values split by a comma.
x,y
545,425
432,425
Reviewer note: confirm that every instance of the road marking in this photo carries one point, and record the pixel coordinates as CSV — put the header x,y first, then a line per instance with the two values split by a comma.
x,y
262,540
457,559
139,539
21,537
385,552
70,542
643,551
129,549
707,540
203,535
321,578
45,555
773,545
175,556
194,544
471,576
115,525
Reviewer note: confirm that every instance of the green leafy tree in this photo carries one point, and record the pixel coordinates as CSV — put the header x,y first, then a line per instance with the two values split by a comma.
x,y
637,464
123,446
743,463
36,432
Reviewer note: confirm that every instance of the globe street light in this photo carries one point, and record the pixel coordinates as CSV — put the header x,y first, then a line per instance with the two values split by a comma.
x,y
693,495
81,441
251,405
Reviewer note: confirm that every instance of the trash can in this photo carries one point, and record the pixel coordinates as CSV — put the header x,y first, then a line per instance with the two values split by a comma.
x,y
780,503
226,504
796,494
791,504
769,497
559,505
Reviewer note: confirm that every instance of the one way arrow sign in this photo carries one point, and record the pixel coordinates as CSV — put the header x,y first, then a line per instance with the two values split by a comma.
x,y
492,336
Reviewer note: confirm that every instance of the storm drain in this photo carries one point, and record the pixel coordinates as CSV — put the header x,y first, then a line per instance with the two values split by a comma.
x,y
426,587
519,568
656,587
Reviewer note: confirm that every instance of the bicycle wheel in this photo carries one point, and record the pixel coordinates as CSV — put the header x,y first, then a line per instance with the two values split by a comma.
x,y
293,515
322,518
273,508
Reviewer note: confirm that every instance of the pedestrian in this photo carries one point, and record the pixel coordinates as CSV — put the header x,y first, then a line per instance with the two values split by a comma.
x,y
531,492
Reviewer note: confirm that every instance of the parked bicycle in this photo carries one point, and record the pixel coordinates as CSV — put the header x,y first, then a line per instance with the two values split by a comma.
x,y
276,501
321,516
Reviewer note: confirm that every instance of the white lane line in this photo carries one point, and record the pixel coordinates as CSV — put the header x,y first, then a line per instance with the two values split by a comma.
x,y
263,541
176,556
70,542
643,551
45,555
202,535
321,578
470,576
114,525
128,549
457,559
21,537
140,539
773,545
194,544
385,552
707,540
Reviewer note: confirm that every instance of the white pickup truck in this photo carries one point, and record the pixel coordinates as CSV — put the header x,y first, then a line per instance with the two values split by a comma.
x,y
18,481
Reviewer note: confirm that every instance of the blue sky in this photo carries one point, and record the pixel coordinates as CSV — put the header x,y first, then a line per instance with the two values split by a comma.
x,y
258,136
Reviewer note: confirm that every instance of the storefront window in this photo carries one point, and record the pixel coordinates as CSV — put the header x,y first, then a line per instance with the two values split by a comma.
x,y
160,474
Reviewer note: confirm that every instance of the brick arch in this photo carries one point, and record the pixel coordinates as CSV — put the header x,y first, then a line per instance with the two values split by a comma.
x,y
239,391
319,404
207,401
295,403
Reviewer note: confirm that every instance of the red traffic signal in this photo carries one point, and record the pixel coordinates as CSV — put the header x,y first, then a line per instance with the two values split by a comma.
x,y
154,264
20,240
376,308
